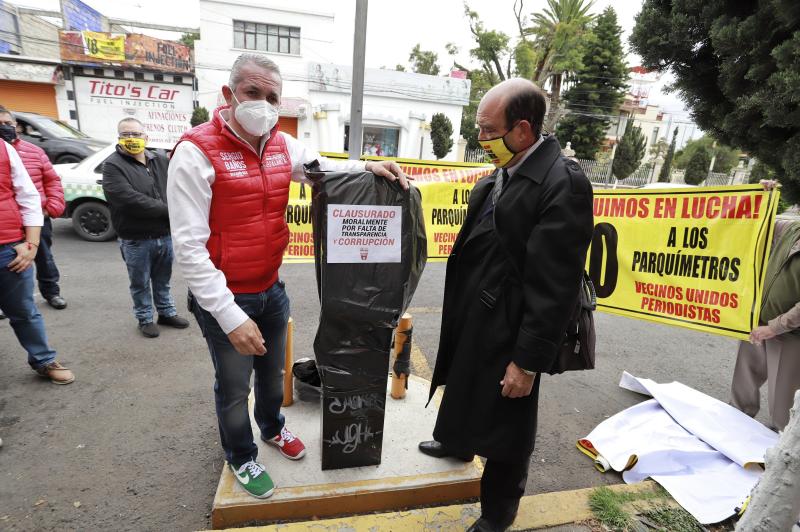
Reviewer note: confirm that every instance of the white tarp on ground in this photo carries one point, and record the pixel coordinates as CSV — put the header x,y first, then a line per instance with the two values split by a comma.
x,y
690,443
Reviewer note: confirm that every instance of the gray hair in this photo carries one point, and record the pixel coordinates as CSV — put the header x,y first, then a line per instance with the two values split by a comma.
x,y
257,59
129,119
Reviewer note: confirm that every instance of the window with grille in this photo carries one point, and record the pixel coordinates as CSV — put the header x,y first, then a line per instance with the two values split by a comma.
x,y
266,37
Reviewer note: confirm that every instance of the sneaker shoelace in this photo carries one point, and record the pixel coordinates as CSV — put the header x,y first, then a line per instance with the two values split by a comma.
x,y
253,468
287,436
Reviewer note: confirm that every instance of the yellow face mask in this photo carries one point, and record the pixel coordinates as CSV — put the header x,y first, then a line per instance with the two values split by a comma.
x,y
497,151
133,146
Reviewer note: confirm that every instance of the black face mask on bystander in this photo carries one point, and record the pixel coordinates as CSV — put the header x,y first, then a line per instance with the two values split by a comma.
x,y
8,132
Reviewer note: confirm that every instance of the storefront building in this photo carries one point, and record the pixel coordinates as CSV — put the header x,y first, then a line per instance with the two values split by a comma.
x,y
315,108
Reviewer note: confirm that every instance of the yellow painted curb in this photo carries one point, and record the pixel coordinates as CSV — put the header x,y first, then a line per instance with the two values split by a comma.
x,y
536,511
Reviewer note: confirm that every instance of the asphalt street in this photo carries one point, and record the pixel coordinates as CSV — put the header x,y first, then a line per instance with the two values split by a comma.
x,y
133,443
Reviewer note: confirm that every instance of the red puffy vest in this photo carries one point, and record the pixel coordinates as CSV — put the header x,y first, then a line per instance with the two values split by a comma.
x,y
43,176
10,218
247,217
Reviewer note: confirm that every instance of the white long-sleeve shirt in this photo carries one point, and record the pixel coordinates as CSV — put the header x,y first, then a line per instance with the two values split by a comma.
x,y
25,193
189,197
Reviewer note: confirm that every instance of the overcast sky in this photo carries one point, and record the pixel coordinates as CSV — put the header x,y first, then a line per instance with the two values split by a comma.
x,y
394,27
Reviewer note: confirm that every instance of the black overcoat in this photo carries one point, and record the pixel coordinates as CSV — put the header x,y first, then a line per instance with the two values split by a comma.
x,y
509,292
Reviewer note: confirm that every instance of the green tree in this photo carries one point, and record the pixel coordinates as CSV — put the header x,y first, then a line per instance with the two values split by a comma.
x,y
491,48
199,115
697,169
599,87
725,156
761,171
559,33
629,151
480,82
735,65
188,39
424,61
666,168
441,135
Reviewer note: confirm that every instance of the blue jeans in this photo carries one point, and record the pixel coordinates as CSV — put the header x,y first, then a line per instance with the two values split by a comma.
x,y
270,311
16,302
149,262
46,269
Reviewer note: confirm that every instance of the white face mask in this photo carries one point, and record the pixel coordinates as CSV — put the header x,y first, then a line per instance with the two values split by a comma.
x,y
257,117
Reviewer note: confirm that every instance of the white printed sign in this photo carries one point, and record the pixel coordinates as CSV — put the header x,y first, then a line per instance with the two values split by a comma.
x,y
364,233
164,109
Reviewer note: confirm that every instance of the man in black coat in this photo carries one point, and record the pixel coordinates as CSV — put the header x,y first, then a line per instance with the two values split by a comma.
x,y
512,282
135,185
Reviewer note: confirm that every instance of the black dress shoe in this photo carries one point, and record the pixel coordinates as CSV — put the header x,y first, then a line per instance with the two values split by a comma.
x,y
57,302
173,321
435,449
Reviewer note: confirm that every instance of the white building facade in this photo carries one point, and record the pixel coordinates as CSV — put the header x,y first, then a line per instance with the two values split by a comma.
x,y
312,46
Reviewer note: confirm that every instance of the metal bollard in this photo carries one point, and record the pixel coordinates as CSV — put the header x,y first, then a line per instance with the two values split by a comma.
x,y
402,336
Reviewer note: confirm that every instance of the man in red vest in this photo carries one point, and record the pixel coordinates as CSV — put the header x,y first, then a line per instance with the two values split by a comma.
x,y
20,229
48,183
227,191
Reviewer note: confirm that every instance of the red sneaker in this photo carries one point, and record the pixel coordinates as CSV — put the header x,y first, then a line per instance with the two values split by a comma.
x,y
288,444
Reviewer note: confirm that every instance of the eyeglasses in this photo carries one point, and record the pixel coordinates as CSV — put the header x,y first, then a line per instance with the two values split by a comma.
x,y
131,135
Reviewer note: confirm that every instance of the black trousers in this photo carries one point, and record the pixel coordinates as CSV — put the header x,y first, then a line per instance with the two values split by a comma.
x,y
502,486
46,269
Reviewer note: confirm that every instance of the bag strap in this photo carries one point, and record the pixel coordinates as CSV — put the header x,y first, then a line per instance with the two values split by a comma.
x,y
589,287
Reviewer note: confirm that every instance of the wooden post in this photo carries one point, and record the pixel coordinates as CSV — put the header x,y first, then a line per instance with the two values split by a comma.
x,y
400,339
775,502
288,377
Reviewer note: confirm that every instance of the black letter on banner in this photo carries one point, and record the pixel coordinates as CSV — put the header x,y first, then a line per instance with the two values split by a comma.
x,y
604,287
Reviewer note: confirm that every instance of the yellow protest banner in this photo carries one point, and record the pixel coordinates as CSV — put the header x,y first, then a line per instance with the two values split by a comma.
x,y
692,257
104,46
445,189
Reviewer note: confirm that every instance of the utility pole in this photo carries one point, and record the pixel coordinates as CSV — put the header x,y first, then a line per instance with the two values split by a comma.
x,y
357,86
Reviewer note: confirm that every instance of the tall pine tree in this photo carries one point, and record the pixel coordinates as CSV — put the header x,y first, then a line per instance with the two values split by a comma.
x,y
697,169
599,89
664,174
736,66
629,151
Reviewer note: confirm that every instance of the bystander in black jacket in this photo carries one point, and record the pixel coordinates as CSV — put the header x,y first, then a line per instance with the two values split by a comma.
x,y
137,194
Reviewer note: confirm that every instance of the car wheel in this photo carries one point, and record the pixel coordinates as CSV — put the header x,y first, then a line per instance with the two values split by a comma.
x,y
92,221
68,158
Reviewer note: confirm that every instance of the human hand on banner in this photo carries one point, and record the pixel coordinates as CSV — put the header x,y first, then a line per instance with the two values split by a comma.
x,y
389,170
247,339
761,333
769,184
516,383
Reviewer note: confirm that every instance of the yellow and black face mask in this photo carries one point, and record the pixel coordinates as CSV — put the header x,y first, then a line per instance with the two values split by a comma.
x,y
134,146
497,151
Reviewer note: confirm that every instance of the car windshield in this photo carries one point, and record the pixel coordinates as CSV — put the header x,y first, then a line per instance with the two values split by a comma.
x,y
59,129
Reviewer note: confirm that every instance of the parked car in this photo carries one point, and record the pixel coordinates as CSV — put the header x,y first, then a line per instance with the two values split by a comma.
x,y
83,193
61,142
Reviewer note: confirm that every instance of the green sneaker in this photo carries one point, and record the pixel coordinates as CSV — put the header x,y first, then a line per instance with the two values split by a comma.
x,y
254,479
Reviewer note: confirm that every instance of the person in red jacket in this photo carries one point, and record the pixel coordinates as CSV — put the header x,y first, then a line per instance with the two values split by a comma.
x,y
227,192
20,226
48,183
